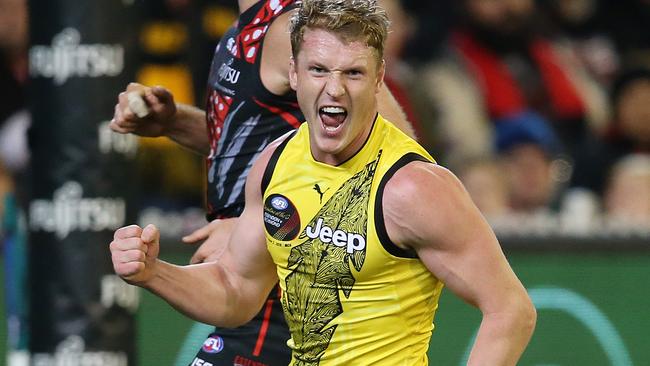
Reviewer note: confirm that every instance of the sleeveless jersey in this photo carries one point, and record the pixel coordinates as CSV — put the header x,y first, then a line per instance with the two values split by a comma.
x,y
242,115
350,296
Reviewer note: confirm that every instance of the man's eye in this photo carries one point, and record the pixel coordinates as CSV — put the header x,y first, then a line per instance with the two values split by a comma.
x,y
354,73
316,69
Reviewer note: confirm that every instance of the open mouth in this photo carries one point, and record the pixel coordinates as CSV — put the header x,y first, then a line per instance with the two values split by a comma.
x,y
332,117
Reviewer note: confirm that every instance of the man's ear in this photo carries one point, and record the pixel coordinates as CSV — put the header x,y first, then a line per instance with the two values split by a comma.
x,y
380,74
293,77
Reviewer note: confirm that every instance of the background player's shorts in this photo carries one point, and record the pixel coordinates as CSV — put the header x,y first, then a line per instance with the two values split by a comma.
x,y
261,342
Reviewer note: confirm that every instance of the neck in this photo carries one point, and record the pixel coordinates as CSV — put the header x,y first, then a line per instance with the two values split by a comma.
x,y
348,152
245,4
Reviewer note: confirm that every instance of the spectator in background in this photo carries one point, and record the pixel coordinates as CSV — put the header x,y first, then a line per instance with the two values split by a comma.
x,y
527,147
433,19
499,65
521,178
627,194
484,180
14,119
627,22
581,23
13,40
630,129
400,77
627,197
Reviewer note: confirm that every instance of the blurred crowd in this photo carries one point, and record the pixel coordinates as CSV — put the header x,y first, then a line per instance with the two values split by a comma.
x,y
14,118
539,107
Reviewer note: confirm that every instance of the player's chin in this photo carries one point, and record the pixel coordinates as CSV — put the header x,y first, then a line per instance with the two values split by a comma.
x,y
331,145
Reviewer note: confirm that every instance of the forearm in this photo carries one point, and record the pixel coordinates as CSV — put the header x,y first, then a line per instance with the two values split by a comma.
x,y
392,111
203,292
502,337
188,128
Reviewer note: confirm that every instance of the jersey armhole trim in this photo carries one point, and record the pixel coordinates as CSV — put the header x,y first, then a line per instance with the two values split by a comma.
x,y
380,224
270,166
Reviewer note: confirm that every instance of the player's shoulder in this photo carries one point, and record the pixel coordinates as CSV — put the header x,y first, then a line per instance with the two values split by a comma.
x,y
271,148
259,174
277,35
280,24
421,180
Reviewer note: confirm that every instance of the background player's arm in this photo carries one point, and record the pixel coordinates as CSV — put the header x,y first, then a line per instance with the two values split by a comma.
x,y
213,237
227,292
182,123
274,73
392,111
454,241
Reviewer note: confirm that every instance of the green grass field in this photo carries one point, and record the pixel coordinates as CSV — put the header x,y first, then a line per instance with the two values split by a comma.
x,y
592,310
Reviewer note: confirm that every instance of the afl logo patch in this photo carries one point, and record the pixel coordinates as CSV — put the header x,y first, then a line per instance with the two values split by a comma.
x,y
213,344
279,203
281,218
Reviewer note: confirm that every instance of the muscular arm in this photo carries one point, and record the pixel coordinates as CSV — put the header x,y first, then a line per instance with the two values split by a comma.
x,y
457,245
227,292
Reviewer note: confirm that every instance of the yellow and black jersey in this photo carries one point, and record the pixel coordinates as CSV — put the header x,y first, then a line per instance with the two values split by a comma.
x,y
350,296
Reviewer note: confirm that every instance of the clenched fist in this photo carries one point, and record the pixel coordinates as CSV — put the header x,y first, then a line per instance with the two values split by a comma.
x,y
159,105
134,252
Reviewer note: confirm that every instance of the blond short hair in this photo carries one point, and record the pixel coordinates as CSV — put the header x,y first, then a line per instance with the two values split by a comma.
x,y
351,20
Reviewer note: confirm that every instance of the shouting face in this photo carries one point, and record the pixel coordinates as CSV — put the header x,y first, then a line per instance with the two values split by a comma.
x,y
336,81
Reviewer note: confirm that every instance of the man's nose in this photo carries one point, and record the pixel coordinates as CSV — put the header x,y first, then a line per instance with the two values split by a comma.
x,y
335,86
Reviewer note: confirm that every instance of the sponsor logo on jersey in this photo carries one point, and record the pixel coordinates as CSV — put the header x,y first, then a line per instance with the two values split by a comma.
x,y
281,218
200,362
340,238
320,192
243,361
213,344
228,73
323,266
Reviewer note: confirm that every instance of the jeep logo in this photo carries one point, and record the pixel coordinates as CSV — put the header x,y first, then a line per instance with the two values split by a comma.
x,y
337,237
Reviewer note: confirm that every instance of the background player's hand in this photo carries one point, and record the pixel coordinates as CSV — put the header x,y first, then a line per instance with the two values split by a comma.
x,y
160,111
215,236
134,252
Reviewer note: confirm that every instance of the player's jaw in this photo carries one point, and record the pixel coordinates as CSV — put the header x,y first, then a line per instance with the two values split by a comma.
x,y
340,131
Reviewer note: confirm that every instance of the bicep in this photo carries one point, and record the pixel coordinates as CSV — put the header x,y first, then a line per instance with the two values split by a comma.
x,y
451,237
471,265
246,257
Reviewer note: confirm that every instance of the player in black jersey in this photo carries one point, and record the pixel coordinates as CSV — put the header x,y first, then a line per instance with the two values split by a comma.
x,y
250,104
